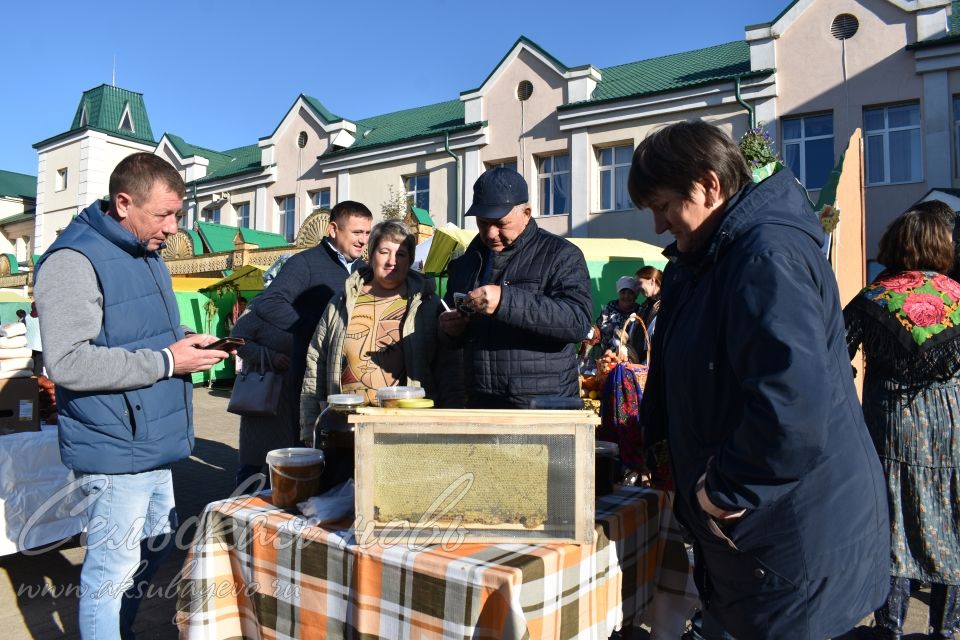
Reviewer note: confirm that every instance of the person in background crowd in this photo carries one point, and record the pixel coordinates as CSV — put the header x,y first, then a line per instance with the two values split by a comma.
x,y
34,342
649,280
261,434
298,295
525,305
911,400
775,474
380,332
117,353
949,216
615,313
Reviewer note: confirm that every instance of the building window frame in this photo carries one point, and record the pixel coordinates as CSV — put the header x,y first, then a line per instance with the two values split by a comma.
x,y
548,177
956,135
882,136
242,209
500,164
613,164
319,200
803,144
211,214
417,188
62,179
287,216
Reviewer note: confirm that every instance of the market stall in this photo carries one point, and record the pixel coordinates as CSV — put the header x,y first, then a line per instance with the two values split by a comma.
x,y
256,571
38,502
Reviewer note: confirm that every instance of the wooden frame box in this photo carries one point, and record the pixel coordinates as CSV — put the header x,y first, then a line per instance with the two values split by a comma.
x,y
449,476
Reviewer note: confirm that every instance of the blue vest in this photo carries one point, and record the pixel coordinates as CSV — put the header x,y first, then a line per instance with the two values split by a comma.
x,y
137,429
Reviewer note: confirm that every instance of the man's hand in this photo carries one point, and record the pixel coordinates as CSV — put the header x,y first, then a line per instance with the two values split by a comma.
x,y
190,356
453,323
484,299
280,361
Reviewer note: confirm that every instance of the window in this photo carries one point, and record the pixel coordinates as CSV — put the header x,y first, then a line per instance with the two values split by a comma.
x,y
614,169
210,214
418,190
893,144
554,185
61,183
243,214
288,215
956,131
320,199
509,164
808,148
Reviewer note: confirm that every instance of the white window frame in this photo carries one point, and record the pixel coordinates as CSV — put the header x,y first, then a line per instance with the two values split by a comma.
x,y
885,133
211,214
550,176
956,135
512,164
802,141
315,198
612,169
414,192
237,208
62,178
285,213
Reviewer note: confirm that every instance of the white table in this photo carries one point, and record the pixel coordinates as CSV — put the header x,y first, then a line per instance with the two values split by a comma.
x,y
38,498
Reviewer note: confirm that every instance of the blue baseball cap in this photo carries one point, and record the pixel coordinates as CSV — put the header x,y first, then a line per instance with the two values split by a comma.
x,y
497,192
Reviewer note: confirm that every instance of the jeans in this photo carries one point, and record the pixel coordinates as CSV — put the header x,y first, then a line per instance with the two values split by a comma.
x,y
132,519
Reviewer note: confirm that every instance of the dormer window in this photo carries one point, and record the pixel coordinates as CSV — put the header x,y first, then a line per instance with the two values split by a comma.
x,y
83,117
126,122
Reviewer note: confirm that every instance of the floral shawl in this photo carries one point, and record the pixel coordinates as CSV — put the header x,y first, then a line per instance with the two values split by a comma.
x,y
910,322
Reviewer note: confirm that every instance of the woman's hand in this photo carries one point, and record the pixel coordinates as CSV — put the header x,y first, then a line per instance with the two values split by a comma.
x,y
280,361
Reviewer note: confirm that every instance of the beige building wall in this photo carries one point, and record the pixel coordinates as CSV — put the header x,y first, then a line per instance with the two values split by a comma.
x,y
879,71
297,173
370,185
633,223
11,207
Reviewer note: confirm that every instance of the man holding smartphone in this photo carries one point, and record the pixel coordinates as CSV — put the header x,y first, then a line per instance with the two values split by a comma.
x,y
114,346
522,302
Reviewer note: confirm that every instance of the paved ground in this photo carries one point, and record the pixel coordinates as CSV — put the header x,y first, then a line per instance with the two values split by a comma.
x,y
206,476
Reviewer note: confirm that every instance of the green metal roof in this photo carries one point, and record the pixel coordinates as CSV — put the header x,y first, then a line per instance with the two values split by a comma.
x,y
105,106
422,216
317,106
18,185
390,128
675,71
241,160
218,238
20,217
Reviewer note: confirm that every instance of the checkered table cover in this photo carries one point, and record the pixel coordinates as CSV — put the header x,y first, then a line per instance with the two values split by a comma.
x,y
257,572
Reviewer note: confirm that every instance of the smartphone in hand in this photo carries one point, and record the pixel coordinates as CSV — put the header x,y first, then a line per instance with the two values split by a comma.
x,y
459,300
226,344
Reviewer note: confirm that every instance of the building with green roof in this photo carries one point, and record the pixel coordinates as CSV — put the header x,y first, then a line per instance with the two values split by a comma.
x,y
18,197
809,75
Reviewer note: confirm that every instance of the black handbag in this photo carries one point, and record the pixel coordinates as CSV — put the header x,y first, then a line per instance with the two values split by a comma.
x,y
256,393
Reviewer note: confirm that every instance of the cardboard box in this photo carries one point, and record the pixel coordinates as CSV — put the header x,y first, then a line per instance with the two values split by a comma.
x,y
19,405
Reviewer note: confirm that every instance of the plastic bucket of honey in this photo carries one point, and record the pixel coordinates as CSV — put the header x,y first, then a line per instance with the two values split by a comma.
x,y
294,475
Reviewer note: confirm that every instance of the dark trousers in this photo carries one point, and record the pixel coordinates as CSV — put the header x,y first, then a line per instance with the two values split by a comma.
x,y
944,609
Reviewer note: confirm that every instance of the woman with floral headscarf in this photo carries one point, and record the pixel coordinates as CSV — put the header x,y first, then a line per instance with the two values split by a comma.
x,y
908,322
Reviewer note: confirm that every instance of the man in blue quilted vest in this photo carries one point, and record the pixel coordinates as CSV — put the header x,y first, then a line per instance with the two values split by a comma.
x,y
115,349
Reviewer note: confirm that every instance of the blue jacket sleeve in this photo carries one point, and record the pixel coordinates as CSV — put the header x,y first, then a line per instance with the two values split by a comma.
x,y
561,309
776,341
275,304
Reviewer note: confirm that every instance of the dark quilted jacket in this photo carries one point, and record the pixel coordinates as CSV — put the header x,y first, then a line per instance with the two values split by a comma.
x,y
528,347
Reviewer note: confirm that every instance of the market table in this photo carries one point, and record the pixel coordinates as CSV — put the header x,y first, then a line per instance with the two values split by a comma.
x,y
255,571
38,499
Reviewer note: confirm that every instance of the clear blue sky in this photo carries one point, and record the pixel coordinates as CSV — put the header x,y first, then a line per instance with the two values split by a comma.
x,y
222,74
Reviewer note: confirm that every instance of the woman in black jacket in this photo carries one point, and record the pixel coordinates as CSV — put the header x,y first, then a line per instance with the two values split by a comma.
x,y
775,473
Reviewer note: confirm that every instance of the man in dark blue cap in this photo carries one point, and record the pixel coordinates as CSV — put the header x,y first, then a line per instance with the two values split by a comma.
x,y
522,303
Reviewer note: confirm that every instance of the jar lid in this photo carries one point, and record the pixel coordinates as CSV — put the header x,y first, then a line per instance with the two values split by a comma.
x,y
294,457
346,399
415,403
398,393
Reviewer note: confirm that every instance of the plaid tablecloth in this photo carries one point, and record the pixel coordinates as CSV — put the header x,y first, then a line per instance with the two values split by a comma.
x,y
258,572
